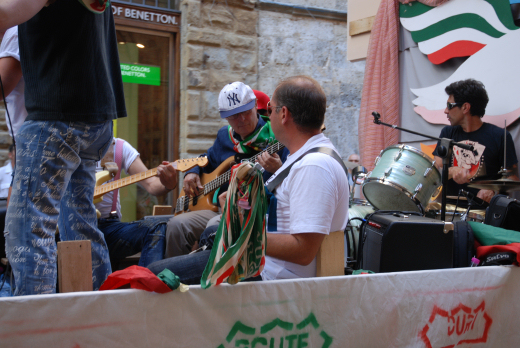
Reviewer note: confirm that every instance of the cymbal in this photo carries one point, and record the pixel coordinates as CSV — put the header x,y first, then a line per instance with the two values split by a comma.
x,y
504,185
460,198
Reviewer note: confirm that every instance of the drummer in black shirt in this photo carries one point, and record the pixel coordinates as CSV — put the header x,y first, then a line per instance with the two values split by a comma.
x,y
465,108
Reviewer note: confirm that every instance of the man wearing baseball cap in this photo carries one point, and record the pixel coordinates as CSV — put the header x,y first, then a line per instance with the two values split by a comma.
x,y
247,133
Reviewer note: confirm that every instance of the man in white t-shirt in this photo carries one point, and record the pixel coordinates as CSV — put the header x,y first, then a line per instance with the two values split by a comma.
x,y
146,236
312,200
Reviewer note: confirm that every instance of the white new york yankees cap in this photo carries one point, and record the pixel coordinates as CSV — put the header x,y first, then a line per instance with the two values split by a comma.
x,y
234,98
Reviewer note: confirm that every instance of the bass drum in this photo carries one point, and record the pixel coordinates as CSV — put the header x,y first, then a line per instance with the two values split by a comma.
x,y
352,231
403,178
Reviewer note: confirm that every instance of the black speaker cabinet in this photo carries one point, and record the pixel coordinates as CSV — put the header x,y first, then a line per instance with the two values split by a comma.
x,y
399,242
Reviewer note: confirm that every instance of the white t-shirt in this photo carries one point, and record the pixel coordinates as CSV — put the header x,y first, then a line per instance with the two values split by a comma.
x,y
16,99
5,179
129,156
313,198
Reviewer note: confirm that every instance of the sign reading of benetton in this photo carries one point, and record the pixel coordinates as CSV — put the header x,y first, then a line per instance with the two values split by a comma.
x,y
143,15
141,74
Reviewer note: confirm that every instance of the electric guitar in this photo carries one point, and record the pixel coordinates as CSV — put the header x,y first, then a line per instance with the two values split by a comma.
x,y
111,170
211,181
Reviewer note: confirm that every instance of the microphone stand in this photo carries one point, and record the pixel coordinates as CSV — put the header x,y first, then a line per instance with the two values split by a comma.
x,y
444,151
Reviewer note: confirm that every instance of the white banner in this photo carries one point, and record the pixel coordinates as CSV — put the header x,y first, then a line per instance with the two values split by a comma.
x,y
470,307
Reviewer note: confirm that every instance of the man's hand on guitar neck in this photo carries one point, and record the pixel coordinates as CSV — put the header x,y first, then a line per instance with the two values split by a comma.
x,y
192,184
271,163
167,175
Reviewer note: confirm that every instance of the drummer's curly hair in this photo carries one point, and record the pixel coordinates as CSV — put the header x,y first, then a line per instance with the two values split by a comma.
x,y
305,99
472,92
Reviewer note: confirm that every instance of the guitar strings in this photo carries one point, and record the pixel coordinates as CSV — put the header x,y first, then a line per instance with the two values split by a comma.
x,y
274,148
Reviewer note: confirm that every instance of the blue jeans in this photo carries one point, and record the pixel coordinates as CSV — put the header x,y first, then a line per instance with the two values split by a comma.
x,y
128,238
54,185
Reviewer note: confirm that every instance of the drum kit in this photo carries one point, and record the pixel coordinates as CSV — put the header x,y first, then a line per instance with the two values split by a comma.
x,y
405,179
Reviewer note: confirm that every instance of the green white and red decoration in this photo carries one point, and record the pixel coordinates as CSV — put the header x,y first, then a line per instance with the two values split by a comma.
x,y
481,29
239,247
96,6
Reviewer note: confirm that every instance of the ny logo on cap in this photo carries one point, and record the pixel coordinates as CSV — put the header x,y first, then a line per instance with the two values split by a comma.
x,y
233,98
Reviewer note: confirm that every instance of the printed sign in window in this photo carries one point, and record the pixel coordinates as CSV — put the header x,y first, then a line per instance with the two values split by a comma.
x,y
141,74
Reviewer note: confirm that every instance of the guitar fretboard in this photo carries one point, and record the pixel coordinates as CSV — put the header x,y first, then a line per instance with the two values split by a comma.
x,y
129,180
222,179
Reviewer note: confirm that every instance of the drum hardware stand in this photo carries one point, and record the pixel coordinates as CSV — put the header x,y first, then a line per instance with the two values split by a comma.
x,y
444,151
358,172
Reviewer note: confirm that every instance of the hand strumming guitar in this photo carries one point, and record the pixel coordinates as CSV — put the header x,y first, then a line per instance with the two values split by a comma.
x,y
192,184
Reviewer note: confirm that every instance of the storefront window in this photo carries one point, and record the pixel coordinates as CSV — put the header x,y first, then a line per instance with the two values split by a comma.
x,y
145,68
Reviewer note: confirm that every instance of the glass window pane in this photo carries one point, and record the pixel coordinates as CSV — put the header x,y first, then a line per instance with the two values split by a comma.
x,y
146,97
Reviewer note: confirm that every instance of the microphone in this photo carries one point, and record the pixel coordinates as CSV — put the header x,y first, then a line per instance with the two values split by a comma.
x,y
471,197
377,117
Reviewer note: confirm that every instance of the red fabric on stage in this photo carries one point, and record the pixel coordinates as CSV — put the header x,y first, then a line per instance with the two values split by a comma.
x,y
381,83
138,278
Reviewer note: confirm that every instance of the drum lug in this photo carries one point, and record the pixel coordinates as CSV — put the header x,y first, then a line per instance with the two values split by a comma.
x,y
399,154
417,190
377,160
428,171
388,171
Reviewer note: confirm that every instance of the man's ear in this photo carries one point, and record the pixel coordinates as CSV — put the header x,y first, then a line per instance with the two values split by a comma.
x,y
285,115
466,108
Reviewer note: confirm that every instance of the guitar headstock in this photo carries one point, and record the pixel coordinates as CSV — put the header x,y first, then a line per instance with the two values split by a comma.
x,y
188,163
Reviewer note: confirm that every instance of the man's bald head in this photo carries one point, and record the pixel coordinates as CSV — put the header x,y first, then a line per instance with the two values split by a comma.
x,y
305,100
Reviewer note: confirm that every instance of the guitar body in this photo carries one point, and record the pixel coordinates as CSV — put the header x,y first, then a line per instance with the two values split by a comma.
x,y
204,202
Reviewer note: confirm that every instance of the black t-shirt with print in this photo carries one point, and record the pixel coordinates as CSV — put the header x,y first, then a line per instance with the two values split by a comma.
x,y
486,159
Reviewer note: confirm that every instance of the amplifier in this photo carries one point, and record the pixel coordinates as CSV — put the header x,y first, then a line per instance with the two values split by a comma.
x,y
394,242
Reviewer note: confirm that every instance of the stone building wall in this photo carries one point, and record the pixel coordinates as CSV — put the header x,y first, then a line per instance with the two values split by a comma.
x,y
292,44
260,43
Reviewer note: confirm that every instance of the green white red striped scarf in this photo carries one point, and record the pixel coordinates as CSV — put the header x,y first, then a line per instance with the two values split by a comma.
x,y
239,248
96,6
257,141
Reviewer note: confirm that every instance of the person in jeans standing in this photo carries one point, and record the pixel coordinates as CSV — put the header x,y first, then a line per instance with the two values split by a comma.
x,y
74,90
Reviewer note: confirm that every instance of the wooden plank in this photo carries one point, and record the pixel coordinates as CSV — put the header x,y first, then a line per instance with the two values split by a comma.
x,y
357,45
75,266
330,260
361,26
162,210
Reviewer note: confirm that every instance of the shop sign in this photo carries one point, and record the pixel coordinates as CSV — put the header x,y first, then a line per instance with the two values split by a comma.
x,y
141,74
144,15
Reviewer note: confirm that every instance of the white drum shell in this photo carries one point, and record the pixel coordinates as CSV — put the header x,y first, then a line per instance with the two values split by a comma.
x,y
393,182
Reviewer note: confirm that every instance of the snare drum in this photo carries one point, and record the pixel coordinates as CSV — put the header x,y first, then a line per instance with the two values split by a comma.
x,y
352,231
403,178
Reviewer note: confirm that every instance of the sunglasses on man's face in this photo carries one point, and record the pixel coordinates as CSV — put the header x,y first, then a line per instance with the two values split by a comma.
x,y
452,105
270,108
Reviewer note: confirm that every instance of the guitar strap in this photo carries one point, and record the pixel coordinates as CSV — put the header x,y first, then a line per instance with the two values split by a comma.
x,y
271,187
119,162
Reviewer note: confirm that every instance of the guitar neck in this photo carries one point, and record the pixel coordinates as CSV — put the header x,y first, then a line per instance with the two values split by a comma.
x,y
224,178
129,180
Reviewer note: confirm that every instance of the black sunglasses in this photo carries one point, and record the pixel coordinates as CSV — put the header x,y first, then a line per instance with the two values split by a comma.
x,y
452,105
